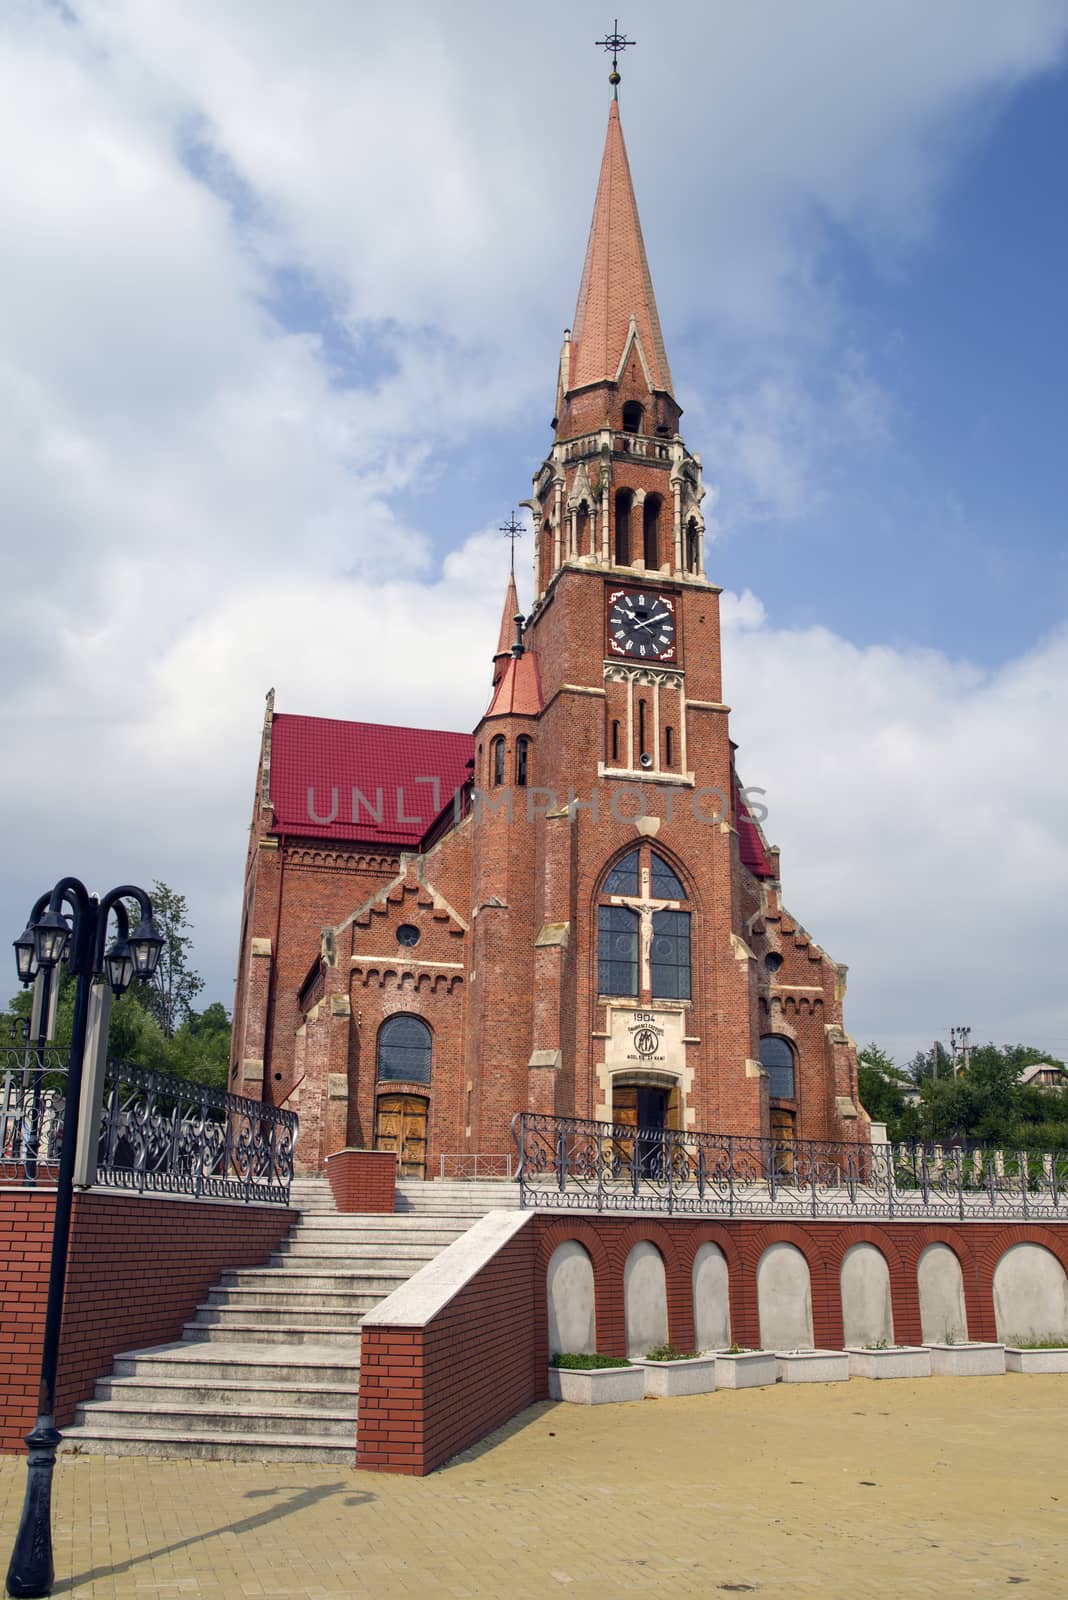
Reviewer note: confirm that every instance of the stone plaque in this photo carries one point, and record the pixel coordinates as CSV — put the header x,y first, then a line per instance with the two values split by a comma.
x,y
649,1040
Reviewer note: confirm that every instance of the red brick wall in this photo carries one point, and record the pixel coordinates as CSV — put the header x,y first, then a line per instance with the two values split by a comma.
x,y
427,1393
138,1268
363,1180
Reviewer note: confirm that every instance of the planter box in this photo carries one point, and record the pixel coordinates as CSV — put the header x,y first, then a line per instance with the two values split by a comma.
x,y
597,1387
666,1379
967,1360
1035,1360
896,1361
750,1369
812,1366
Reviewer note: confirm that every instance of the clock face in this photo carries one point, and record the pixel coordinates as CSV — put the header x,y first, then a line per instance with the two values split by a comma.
x,y
641,625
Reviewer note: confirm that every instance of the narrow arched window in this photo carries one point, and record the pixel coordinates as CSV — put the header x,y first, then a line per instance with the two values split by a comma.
x,y
615,741
651,531
692,546
642,719
522,761
404,1050
582,529
669,743
777,1056
497,761
632,417
624,502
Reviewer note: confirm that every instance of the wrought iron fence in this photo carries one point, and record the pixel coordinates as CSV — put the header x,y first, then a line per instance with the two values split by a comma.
x,y
157,1133
33,1091
476,1165
166,1134
571,1163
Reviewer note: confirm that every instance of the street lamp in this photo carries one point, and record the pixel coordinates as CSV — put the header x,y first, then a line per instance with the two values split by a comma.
x,y
80,940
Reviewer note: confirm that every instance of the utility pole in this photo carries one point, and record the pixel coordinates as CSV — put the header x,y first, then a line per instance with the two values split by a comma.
x,y
934,1060
961,1049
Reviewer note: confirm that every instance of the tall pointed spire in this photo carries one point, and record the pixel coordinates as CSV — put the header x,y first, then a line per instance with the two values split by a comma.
x,y
508,616
616,285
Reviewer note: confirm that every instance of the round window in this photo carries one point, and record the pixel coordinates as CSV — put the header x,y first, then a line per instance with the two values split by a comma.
x,y
407,934
773,961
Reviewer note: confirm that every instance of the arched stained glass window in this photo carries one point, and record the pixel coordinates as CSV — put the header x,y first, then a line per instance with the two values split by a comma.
x,y
665,882
617,950
777,1055
404,1050
623,878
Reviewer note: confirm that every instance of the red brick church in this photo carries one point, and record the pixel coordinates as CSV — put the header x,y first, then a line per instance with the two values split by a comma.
x,y
570,910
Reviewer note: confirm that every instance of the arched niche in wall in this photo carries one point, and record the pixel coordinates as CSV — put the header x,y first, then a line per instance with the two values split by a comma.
x,y
645,1298
711,1298
867,1312
941,1286
784,1299
571,1300
1030,1295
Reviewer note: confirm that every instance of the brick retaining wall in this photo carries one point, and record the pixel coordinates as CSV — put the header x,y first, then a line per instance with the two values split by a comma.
x,y
138,1267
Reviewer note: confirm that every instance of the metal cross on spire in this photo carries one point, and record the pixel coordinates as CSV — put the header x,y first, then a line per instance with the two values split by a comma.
x,y
512,530
615,41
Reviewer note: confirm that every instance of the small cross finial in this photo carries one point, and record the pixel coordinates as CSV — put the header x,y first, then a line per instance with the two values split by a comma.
x,y
512,530
615,41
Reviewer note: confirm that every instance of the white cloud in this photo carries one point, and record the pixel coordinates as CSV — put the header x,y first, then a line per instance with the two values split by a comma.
x,y
919,803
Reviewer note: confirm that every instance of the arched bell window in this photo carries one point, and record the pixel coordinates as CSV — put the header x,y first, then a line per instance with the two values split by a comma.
x,y
643,929
624,508
404,1050
522,761
632,416
651,531
777,1057
693,546
497,762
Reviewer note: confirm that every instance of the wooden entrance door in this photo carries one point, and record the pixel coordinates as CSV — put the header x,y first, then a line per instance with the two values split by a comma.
x,y
783,1135
635,1106
401,1127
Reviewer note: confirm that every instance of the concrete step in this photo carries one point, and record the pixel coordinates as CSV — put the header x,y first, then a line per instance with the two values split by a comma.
x,y
236,1395
375,1224
360,1258
249,1332
330,1249
251,1363
194,1421
365,1277
176,1446
262,1314
292,1297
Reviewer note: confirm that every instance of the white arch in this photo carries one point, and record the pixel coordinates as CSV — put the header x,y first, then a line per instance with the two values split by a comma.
x,y
711,1298
571,1300
645,1298
784,1298
867,1312
942,1315
1030,1295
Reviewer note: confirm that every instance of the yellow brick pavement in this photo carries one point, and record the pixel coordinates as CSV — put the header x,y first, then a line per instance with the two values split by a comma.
x,y
945,1487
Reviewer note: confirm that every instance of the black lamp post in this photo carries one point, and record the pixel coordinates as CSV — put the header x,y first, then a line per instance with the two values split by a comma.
x,y
80,940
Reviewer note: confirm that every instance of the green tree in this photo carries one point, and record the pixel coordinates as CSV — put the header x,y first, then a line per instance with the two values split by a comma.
x,y
175,984
880,1086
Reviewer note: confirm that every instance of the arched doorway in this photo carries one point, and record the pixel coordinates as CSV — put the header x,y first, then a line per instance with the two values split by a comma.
x,y
651,1102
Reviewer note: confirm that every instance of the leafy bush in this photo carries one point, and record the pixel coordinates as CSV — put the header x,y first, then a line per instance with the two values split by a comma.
x,y
583,1363
669,1352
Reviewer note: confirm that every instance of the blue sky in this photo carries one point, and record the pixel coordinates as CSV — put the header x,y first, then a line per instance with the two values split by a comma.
x,y
284,292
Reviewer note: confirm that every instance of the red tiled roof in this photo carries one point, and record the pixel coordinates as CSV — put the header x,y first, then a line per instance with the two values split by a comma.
x,y
314,759
750,844
518,692
616,283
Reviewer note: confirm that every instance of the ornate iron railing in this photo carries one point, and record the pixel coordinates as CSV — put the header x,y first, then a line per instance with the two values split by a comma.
x,y
571,1163
157,1133
478,1164
167,1134
33,1089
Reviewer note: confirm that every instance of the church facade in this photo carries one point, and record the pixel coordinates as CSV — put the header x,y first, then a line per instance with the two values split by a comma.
x,y
572,910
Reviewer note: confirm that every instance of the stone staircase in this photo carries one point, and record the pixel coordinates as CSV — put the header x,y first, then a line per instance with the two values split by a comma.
x,y
269,1369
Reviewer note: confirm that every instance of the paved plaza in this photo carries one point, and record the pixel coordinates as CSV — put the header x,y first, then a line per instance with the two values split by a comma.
x,y
944,1487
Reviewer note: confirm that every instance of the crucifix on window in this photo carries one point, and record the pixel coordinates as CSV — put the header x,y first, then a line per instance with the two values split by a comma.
x,y
643,930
